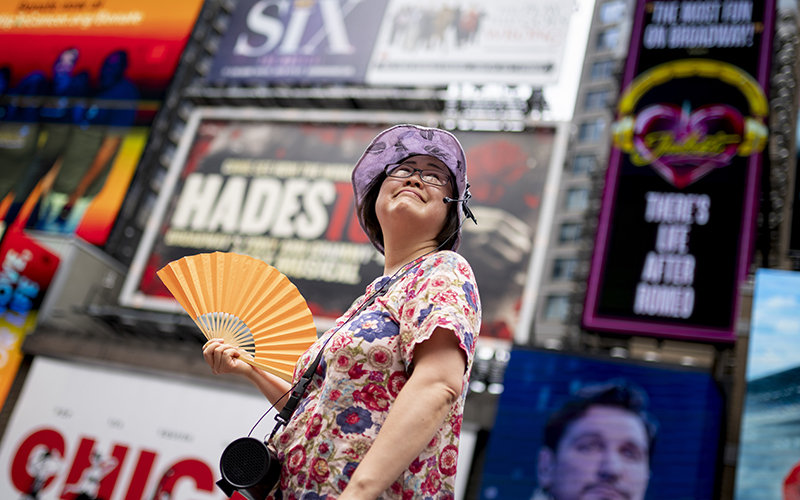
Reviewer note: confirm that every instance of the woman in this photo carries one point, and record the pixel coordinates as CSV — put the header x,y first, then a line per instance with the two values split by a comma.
x,y
382,416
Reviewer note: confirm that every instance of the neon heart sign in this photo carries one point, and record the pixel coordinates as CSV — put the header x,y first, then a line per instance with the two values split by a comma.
x,y
683,145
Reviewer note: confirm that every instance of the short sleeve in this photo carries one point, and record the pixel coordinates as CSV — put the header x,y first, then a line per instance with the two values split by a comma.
x,y
442,293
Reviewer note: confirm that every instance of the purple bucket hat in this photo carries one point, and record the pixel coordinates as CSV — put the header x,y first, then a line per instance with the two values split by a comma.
x,y
398,143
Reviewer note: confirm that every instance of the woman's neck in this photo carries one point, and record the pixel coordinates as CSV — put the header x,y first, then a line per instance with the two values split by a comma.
x,y
397,258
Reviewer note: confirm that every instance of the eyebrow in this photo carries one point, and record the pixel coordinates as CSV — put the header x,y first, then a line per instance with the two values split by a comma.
x,y
443,169
599,435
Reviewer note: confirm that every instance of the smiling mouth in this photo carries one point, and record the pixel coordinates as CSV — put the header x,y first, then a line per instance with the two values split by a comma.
x,y
408,191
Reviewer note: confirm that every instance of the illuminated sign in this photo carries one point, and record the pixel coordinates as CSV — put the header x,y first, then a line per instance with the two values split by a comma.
x,y
677,221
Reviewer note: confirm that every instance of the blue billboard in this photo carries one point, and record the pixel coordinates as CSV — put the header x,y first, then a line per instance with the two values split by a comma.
x,y
282,40
573,427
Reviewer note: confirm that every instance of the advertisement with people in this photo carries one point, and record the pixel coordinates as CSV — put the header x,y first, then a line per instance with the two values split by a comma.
x,y
88,432
677,223
571,427
246,182
80,83
769,462
437,42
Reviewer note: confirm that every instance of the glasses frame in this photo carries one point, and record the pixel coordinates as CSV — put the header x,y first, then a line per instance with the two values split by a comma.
x,y
414,170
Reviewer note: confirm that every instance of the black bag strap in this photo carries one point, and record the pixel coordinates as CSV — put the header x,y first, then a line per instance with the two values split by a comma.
x,y
300,388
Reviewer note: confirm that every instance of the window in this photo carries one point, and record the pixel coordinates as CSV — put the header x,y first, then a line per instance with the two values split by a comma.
x,y
577,199
597,100
591,131
583,164
570,233
608,39
613,11
556,308
564,269
603,70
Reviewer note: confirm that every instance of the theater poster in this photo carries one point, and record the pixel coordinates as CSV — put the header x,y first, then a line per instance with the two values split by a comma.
x,y
769,443
573,426
277,187
678,214
106,433
26,270
80,83
290,41
437,42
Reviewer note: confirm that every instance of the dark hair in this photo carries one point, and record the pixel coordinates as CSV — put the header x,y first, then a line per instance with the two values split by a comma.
x,y
615,393
367,213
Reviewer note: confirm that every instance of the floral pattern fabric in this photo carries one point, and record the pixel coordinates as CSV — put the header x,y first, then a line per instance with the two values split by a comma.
x,y
364,367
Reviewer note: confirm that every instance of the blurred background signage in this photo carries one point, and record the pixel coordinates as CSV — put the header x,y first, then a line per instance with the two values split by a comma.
x,y
649,431
677,221
769,463
245,181
79,85
394,42
110,433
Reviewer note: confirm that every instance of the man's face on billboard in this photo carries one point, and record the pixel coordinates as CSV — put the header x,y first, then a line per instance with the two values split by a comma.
x,y
601,456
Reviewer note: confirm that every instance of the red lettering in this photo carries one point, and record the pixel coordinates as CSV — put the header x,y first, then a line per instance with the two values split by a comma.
x,y
53,446
354,232
91,473
140,475
344,203
194,469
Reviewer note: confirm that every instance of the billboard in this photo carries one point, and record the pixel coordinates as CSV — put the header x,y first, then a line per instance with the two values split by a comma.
x,y
437,42
769,461
676,226
572,426
277,187
329,40
106,433
26,270
80,82
394,42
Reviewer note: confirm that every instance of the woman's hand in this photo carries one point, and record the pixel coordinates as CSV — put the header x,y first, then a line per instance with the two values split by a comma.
x,y
224,358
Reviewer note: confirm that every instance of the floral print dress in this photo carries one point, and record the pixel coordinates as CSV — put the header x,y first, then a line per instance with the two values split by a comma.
x,y
364,367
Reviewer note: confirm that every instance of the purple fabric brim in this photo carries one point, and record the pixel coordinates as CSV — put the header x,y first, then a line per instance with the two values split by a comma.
x,y
401,141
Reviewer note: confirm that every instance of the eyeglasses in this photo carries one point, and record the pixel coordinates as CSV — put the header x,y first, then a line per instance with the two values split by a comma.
x,y
403,171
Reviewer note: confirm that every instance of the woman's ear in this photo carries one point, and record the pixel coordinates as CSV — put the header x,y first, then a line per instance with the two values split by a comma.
x,y
545,467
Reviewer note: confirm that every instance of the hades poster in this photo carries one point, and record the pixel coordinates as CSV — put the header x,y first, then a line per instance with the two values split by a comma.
x,y
281,192
573,426
769,462
80,82
678,212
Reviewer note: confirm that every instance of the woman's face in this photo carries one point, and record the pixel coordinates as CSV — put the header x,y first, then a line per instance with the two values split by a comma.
x,y
409,203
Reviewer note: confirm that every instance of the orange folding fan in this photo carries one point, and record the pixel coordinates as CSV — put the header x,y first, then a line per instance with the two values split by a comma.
x,y
246,302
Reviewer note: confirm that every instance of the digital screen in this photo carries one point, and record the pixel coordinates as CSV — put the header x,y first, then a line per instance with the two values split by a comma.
x,y
769,462
677,221
571,427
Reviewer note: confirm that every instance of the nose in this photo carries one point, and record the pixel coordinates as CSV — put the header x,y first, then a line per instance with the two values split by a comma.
x,y
416,179
610,467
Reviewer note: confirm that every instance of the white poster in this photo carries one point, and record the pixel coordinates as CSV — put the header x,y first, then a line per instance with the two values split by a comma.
x,y
118,435
437,42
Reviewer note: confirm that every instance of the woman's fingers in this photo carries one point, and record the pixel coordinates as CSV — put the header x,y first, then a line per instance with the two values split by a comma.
x,y
221,357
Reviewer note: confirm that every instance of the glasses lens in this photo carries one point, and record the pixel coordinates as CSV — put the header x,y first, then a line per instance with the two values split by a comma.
x,y
433,177
399,170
